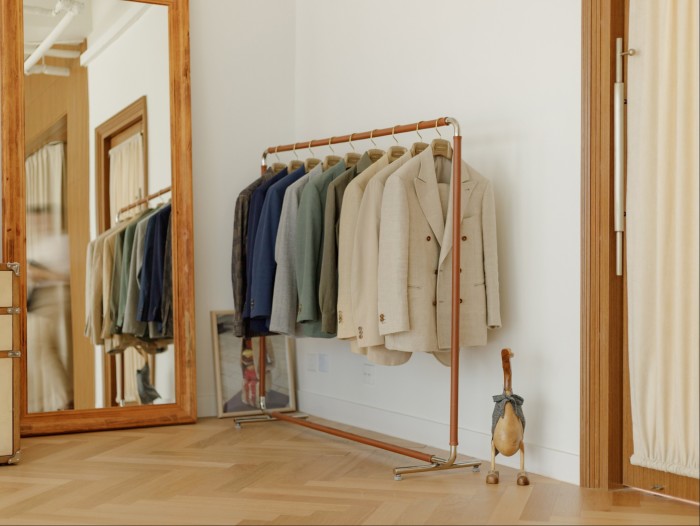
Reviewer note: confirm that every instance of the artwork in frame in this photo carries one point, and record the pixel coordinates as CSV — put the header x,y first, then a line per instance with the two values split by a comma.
x,y
237,363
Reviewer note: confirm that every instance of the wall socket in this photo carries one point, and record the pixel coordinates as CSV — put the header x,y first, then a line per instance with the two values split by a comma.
x,y
368,374
311,362
324,363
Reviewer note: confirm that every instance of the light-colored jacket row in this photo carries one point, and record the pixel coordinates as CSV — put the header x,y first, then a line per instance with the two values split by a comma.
x,y
394,260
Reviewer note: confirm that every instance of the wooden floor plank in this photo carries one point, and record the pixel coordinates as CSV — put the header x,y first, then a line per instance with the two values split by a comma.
x,y
277,473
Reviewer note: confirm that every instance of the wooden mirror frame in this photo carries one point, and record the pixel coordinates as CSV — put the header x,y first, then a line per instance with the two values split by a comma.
x,y
184,410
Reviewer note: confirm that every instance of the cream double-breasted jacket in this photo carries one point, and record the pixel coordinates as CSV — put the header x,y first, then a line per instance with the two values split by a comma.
x,y
415,249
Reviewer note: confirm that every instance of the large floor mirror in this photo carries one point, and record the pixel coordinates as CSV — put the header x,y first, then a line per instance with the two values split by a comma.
x,y
101,211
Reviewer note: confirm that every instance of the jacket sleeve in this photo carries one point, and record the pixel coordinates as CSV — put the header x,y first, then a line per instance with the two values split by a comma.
x,y
264,265
284,299
308,242
328,284
488,225
392,275
238,265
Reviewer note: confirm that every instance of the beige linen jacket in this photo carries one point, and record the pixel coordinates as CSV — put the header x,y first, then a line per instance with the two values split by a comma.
x,y
363,286
414,272
346,236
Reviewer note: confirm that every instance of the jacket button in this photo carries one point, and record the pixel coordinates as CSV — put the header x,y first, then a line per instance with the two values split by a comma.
x,y
381,318
464,238
428,238
434,303
359,330
340,317
460,269
436,272
460,300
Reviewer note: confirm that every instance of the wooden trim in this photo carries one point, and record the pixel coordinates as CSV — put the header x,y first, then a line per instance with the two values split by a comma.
x,y
184,410
135,115
58,133
601,290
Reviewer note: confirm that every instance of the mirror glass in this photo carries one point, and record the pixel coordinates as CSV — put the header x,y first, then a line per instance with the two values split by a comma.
x,y
97,149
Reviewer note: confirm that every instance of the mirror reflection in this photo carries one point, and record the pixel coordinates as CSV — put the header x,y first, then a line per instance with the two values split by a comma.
x,y
98,175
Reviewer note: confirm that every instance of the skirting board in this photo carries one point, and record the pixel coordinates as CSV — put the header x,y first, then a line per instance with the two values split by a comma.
x,y
559,465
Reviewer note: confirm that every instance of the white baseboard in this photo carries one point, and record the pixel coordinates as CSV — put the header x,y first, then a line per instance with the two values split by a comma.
x,y
206,406
559,465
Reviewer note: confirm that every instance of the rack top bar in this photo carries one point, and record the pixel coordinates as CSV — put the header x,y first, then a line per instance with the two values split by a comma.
x,y
144,200
382,132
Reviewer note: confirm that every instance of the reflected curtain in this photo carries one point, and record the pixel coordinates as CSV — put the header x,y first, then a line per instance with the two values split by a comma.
x,y
49,340
662,234
126,175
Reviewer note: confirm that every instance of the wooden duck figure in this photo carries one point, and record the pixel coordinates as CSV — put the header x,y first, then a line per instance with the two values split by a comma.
x,y
508,425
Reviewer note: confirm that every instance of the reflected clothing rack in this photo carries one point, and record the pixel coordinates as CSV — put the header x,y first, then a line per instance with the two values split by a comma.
x,y
150,358
143,201
434,463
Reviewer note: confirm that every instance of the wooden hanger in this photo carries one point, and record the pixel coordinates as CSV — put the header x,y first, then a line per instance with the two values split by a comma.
x,y
374,153
311,162
295,163
441,147
396,150
351,158
332,159
419,146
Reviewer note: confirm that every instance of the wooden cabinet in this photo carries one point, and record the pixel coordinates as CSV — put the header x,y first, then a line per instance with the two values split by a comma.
x,y
10,353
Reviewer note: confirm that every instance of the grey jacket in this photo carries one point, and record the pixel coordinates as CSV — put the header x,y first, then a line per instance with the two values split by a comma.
x,y
283,318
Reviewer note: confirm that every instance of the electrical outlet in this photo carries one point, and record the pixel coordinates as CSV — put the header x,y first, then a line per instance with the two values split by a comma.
x,y
368,374
324,363
311,362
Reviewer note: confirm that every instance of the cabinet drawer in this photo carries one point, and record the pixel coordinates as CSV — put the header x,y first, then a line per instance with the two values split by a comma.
x,y
6,328
6,405
6,296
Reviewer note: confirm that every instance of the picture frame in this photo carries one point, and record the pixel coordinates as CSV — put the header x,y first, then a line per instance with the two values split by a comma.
x,y
237,369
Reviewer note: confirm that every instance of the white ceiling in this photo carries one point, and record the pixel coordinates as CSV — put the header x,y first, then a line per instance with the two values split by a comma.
x,y
95,17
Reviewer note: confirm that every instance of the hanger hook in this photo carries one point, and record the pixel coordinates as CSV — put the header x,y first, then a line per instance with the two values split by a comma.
x,y
350,141
371,139
419,135
310,150
277,156
436,127
394,136
329,144
294,151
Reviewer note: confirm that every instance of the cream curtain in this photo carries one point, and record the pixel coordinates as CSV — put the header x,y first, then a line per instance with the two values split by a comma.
x,y
126,169
49,357
662,234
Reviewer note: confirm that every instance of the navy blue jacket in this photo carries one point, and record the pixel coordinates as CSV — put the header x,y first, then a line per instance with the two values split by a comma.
x,y
255,327
264,264
151,278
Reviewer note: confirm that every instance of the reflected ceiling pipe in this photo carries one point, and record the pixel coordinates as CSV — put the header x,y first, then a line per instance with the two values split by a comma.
x,y
36,10
71,8
55,53
43,69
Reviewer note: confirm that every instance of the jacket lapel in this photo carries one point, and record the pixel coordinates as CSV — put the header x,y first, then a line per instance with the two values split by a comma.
x,y
428,196
467,188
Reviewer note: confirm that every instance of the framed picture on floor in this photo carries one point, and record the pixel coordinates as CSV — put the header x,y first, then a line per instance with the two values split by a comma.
x,y
238,370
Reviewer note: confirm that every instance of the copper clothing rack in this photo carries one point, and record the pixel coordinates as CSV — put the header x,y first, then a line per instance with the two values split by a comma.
x,y
434,463
143,200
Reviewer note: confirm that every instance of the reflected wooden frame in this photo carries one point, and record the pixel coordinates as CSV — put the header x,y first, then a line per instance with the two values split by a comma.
x,y
290,350
184,410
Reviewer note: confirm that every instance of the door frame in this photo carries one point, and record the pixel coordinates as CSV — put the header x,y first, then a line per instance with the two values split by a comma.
x,y
601,290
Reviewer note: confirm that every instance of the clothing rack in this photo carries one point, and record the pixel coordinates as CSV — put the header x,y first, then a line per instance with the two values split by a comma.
x,y
118,359
434,463
143,201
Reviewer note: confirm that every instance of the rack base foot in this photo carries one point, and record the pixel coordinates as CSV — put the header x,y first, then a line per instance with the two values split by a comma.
x,y
261,418
399,472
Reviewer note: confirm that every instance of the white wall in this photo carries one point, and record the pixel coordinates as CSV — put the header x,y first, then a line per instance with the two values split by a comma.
x,y
134,65
242,56
509,71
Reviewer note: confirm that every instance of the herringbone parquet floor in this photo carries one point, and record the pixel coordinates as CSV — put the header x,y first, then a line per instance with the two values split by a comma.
x,y
277,473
